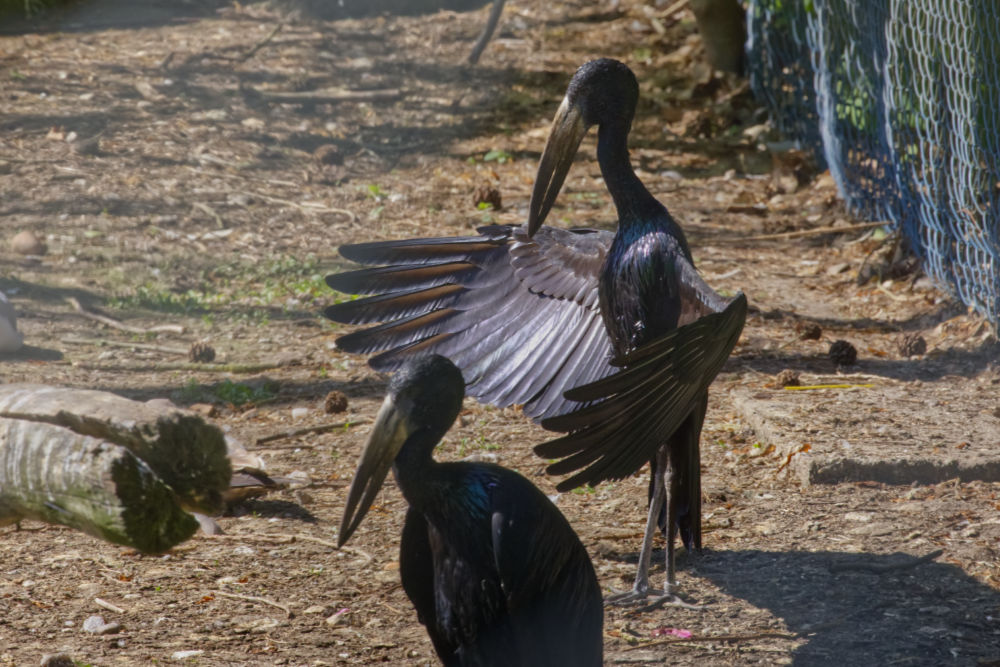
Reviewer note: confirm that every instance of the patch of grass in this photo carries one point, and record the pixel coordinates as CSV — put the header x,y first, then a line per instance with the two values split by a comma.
x,y
227,391
477,444
238,393
249,290
150,297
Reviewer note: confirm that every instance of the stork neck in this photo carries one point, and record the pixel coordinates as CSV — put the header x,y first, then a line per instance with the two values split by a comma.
x,y
414,464
633,201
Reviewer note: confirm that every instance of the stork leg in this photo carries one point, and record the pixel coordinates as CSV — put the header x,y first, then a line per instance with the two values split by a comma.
x,y
641,593
640,589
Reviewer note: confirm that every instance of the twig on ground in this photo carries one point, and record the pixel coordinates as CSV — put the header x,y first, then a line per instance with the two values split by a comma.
x,y
107,605
812,387
358,552
677,6
115,343
259,45
287,538
308,430
311,208
182,366
894,297
254,598
716,638
818,231
330,95
210,211
880,568
243,176
111,322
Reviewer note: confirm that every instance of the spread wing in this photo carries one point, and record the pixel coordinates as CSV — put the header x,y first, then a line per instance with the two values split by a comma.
x,y
626,416
518,316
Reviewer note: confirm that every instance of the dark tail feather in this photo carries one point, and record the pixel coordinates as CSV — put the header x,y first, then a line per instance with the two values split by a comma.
x,y
685,457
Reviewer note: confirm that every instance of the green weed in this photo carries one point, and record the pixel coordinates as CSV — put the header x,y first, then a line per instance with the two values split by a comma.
x,y
498,155
227,391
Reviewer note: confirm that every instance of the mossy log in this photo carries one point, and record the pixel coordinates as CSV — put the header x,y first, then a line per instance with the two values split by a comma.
x,y
52,474
186,453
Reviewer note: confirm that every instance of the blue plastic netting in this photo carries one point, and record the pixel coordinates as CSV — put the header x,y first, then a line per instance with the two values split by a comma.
x,y
901,99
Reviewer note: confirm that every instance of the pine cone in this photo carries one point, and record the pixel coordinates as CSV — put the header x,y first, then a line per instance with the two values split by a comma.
x,y
335,402
788,378
487,194
843,353
201,353
912,344
808,330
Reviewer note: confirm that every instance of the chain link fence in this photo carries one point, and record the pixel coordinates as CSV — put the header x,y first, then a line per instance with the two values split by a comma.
x,y
901,100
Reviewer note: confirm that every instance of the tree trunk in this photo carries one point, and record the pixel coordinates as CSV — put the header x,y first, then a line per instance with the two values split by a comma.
x,y
722,24
179,447
52,474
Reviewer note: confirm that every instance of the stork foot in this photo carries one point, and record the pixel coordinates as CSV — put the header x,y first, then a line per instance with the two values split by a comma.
x,y
647,599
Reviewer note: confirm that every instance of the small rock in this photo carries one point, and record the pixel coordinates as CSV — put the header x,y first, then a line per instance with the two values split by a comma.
x,y
337,616
788,378
300,413
57,660
184,655
90,146
201,353
487,194
912,344
808,330
26,243
843,353
209,526
315,609
95,625
769,527
204,409
335,402
238,199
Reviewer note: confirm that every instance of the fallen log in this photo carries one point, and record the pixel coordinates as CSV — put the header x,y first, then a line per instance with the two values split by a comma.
x,y
53,474
184,451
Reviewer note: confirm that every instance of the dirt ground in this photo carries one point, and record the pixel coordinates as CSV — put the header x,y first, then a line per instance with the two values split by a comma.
x,y
194,164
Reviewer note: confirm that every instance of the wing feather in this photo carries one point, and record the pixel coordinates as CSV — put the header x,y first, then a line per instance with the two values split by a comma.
x,y
518,316
635,410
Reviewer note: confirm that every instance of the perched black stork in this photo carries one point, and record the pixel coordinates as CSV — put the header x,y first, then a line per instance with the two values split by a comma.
x,y
493,568
613,338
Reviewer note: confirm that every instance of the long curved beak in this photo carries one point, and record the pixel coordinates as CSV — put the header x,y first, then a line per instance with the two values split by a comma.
x,y
386,439
567,132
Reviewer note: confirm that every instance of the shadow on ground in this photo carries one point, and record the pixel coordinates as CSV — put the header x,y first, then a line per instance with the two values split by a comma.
x,y
866,609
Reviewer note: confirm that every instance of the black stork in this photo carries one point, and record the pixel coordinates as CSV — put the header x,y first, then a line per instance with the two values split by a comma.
x,y
613,338
493,568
